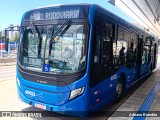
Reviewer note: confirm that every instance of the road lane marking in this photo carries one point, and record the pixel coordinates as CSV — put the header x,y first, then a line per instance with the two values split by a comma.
x,y
147,103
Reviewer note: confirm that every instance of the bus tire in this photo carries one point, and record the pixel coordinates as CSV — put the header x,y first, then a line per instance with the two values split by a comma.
x,y
120,89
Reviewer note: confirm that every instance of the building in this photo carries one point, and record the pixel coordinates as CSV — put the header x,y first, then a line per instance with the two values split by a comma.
x,y
12,31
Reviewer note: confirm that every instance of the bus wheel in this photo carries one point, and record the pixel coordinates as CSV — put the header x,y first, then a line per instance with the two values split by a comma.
x,y
119,89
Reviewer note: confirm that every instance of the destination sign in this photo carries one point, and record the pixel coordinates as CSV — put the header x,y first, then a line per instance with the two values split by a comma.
x,y
54,14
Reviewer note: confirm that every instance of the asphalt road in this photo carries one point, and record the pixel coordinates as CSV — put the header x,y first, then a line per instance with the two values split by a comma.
x,y
9,100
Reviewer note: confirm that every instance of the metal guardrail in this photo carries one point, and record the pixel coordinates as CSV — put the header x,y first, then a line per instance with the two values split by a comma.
x,y
8,58
12,51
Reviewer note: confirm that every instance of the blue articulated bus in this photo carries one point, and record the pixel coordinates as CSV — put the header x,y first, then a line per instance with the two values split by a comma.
x,y
80,57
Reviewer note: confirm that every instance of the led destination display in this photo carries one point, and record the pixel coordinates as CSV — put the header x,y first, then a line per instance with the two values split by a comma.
x,y
55,14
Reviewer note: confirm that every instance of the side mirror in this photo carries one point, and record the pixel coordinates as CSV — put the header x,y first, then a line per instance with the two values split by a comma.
x,y
6,44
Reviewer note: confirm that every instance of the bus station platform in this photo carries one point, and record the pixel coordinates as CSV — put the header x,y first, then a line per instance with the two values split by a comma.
x,y
144,103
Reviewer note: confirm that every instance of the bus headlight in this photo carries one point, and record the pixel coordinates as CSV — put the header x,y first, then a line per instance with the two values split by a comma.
x,y
76,92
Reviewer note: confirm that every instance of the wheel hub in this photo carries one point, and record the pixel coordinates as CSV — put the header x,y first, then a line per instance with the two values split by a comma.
x,y
119,89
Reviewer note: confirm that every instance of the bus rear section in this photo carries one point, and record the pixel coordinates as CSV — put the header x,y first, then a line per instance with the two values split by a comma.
x,y
52,58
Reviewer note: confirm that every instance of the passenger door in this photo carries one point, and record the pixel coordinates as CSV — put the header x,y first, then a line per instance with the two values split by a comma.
x,y
146,56
102,63
131,56
139,55
154,55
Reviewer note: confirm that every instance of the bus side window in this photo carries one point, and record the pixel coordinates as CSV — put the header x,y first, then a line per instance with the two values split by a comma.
x,y
97,50
131,51
106,51
122,45
146,50
102,52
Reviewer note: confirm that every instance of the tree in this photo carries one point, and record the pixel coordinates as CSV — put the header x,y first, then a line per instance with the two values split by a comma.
x,y
16,38
3,37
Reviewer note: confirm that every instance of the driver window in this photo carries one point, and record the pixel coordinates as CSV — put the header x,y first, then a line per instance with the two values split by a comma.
x,y
102,45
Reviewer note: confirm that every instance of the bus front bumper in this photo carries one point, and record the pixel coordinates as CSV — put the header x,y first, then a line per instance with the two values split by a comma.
x,y
71,108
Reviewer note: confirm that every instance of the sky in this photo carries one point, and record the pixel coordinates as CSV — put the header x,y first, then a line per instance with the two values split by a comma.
x,y
11,11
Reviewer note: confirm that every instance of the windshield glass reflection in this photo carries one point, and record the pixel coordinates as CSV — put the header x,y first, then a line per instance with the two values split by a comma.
x,y
64,53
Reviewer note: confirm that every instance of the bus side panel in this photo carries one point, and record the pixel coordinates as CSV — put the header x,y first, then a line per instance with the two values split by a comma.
x,y
105,92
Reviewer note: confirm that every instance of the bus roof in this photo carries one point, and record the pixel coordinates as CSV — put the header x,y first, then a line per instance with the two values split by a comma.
x,y
118,18
62,5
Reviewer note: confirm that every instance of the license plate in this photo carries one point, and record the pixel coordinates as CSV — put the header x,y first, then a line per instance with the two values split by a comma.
x,y
40,106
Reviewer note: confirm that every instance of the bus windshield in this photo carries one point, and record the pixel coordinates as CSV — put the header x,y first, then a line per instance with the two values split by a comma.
x,y
58,49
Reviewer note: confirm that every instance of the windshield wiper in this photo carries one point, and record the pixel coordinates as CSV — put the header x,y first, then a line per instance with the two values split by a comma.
x,y
61,30
33,30
34,33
